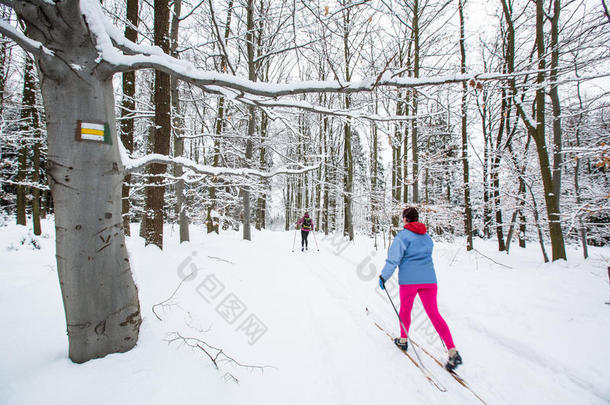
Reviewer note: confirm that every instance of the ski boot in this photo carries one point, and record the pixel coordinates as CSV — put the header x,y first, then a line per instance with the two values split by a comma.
x,y
454,360
402,343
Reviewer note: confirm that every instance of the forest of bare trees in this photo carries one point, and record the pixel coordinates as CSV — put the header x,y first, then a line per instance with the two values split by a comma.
x,y
492,117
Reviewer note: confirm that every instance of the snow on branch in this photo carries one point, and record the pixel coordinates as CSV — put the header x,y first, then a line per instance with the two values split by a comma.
x,y
26,43
136,56
132,165
305,106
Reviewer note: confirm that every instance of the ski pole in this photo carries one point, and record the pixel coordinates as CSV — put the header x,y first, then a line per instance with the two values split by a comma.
x,y
314,238
396,312
294,240
402,324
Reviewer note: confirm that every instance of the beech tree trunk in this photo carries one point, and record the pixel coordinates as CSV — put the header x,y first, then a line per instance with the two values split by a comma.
x,y
99,295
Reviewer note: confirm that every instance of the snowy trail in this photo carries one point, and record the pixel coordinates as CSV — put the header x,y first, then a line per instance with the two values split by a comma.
x,y
321,345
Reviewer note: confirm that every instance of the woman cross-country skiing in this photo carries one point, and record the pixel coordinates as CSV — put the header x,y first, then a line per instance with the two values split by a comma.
x,y
306,225
411,252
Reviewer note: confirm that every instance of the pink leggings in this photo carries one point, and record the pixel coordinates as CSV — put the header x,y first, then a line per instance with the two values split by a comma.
x,y
427,294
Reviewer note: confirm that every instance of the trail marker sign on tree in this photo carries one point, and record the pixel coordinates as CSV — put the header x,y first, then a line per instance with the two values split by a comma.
x,y
91,131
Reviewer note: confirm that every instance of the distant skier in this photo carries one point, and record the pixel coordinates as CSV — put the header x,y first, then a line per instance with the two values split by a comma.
x,y
306,225
411,252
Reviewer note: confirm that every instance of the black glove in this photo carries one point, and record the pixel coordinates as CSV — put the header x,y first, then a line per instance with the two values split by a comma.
x,y
381,283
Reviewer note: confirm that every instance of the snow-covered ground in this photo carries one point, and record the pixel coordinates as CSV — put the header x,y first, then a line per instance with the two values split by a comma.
x,y
529,332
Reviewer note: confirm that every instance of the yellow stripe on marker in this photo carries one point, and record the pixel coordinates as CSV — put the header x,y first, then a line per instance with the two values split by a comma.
x,y
91,131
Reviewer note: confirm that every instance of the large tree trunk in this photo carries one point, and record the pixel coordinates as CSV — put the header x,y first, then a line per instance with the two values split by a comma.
x,y
100,298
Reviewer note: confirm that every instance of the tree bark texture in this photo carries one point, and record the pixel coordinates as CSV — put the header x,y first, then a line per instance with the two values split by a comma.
x,y
100,297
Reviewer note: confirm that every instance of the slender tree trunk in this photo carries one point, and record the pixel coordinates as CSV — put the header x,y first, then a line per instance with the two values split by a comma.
x,y
495,174
29,106
538,226
28,101
538,132
245,191
348,164
128,106
555,102
486,191
414,129
551,199
583,228
155,192
262,199
219,126
178,125
405,139
5,64
150,145
396,163
211,227
374,169
467,206
326,177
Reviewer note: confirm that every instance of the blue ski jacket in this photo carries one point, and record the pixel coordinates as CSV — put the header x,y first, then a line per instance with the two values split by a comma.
x,y
411,252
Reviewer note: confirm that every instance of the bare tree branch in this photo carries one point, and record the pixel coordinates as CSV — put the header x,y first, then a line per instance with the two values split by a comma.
x,y
132,165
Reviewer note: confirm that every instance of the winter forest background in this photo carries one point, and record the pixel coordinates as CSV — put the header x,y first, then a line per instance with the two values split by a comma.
x,y
492,117
220,116
460,152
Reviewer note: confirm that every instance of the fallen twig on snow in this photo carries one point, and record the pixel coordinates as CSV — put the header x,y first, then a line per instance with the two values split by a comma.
x,y
163,304
215,354
489,258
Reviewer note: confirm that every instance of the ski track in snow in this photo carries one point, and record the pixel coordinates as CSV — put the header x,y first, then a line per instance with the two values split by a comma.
x,y
323,346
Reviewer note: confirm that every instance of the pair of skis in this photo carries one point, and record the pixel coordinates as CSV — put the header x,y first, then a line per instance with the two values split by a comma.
x,y
431,379
419,364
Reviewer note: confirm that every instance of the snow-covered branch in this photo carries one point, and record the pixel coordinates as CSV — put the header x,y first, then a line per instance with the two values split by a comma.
x,y
26,43
150,57
132,165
